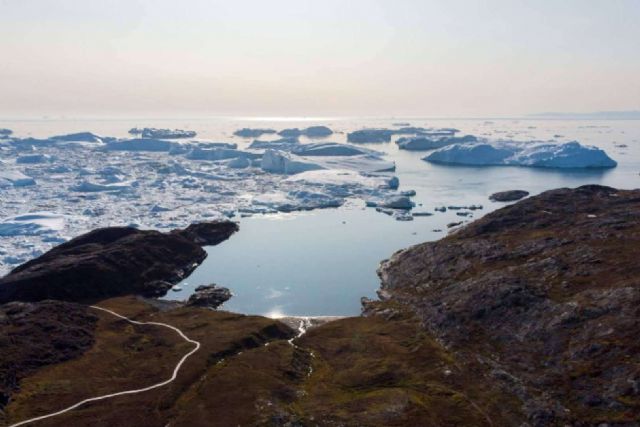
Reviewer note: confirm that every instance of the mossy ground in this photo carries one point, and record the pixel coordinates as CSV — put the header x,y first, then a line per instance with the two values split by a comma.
x,y
366,371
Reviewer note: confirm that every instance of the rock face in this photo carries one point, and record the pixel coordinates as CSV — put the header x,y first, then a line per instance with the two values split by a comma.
x,y
508,196
546,294
211,296
113,261
33,335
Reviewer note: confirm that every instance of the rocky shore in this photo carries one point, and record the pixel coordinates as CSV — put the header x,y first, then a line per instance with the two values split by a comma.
x,y
114,261
526,317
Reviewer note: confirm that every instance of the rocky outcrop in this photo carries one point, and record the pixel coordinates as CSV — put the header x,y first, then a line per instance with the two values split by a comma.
x,y
208,233
508,196
33,335
113,261
546,294
210,296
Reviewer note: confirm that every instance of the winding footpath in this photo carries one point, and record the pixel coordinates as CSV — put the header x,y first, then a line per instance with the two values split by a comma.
x,y
126,392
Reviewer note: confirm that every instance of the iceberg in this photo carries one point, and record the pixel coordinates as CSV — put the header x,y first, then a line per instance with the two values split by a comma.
x,y
230,145
532,154
424,143
317,132
16,179
362,163
290,133
286,144
330,149
214,154
345,182
370,135
77,137
297,200
409,130
310,132
162,133
139,144
392,201
280,162
252,133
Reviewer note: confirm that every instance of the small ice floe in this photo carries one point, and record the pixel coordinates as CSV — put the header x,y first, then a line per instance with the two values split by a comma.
x,y
139,144
90,187
32,224
15,179
32,159
77,137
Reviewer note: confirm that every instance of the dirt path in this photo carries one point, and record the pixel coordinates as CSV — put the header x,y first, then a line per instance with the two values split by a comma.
x,y
122,393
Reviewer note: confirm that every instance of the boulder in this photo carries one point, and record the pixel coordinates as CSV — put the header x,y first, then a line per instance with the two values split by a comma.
x,y
211,296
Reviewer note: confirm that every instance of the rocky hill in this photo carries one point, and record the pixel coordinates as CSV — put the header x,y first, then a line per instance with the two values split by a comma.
x,y
545,294
526,317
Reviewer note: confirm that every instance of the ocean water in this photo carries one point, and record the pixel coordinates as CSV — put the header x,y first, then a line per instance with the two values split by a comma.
x,y
321,262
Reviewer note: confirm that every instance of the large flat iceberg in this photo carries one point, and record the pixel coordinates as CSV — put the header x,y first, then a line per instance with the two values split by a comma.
x,y
532,154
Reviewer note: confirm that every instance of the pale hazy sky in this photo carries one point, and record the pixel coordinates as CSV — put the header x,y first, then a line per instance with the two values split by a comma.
x,y
317,57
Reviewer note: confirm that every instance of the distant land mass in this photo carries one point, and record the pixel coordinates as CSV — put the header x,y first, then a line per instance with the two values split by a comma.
x,y
599,115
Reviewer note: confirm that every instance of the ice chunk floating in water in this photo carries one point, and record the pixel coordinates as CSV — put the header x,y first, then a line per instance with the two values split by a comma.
x,y
571,155
34,223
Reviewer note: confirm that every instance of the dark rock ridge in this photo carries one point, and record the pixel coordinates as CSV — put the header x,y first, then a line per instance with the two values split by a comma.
x,y
210,296
33,335
545,293
508,196
113,261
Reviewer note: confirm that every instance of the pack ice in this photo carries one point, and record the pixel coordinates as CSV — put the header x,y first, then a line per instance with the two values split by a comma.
x,y
55,188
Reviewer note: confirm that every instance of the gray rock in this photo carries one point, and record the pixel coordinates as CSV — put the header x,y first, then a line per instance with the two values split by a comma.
x,y
211,296
508,196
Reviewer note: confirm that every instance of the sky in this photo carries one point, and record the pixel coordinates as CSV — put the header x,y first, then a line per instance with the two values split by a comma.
x,y
328,58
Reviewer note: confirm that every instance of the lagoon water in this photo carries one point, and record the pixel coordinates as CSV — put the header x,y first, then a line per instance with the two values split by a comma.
x,y
321,262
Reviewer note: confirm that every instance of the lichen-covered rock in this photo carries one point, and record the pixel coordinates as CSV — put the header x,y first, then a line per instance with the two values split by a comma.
x,y
546,292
